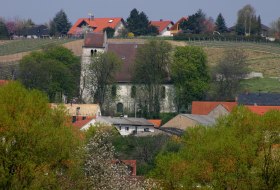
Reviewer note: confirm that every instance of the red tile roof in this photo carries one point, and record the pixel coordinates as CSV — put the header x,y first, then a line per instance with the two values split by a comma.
x,y
3,82
96,40
161,25
80,122
262,109
97,24
204,108
156,122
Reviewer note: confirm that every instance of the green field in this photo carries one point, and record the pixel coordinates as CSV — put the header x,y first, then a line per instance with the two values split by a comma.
x,y
18,46
262,85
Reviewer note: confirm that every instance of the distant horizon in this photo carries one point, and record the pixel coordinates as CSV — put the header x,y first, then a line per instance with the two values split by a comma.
x,y
41,13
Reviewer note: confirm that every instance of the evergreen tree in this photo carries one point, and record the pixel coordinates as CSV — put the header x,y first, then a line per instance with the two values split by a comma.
x,y
60,25
133,21
221,24
259,25
4,34
195,23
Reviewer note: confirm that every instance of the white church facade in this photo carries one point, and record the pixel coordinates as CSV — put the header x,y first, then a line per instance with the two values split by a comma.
x,y
126,51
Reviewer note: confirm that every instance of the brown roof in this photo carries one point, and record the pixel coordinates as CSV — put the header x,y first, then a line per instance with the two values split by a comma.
x,y
262,109
96,40
84,109
161,25
204,108
126,52
176,25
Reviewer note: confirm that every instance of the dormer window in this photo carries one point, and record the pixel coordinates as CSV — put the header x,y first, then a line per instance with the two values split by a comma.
x,y
110,21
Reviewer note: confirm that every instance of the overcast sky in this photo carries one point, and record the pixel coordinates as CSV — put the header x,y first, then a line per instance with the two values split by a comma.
x,y
41,11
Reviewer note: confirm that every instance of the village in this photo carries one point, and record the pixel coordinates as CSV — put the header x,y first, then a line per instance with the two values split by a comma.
x,y
114,103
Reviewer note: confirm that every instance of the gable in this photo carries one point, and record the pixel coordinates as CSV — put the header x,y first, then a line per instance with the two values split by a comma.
x,y
204,107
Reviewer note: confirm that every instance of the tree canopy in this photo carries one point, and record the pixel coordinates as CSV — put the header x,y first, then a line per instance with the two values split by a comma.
x,y
60,24
190,75
195,23
4,34
37,143
55,71
221,24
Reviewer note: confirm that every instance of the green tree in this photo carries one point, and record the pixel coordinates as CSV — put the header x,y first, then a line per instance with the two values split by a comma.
x,y
221,24
55,71
4,34
151,72
195,23
240,152
37,146
110,32
101,76
228,73
190,75
60,24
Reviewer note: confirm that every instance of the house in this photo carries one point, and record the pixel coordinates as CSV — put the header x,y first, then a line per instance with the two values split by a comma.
x,y
175,29
83,122
97,25
184,121
259,99
261,110
91,110
264,30
214,109
163,27
37,31
126,51
156,122
128,125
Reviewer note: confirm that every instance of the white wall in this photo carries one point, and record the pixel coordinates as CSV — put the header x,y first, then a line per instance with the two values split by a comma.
x,y
118,29
166,32
128,130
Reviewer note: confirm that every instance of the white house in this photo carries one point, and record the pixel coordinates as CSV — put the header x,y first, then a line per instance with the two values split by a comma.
x,y
163,26
128,126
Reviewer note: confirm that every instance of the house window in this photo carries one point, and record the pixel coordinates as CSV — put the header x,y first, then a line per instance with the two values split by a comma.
x,y
127,128
93,52
147,129
120,107
163,92
133,92
114,91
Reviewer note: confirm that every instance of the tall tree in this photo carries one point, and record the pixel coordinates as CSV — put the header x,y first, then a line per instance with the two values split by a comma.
x,y
190,75
101,75
37,144
4,34
195,23
55,70
231,69
151,71
60,24
245,20
221,24
275,28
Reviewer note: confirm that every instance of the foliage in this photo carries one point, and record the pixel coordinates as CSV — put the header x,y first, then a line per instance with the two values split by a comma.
x,y
221,24
275,28
102,169
247,22
138,24
110,32
195,23
267,85
60,24
240,152
55,70
37,147
4,34
228,74
190,75
165,117
101,75
151,71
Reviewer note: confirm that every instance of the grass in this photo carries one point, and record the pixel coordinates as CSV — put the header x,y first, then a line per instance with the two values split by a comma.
x,y
18,46
262,85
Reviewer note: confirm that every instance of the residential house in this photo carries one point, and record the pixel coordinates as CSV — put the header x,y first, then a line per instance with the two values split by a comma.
x,y
259,99
128,125
97,25
264,30
175,29
37,31
126,51
184,121
261,110
156,122
163,27
213,109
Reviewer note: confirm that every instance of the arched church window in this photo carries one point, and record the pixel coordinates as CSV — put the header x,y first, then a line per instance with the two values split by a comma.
x,y
120,107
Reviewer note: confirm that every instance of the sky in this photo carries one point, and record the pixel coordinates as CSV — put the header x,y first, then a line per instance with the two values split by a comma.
x,y
42,11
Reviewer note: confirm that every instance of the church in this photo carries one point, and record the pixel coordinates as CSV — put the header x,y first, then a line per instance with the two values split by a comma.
x,y
125,102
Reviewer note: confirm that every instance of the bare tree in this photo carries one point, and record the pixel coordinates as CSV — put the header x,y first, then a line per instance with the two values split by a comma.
x,y
246,17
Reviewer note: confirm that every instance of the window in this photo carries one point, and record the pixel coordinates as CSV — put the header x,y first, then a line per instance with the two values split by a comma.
x,y
114,91
133,92
120,107
92,52
162,92
127,128
147,129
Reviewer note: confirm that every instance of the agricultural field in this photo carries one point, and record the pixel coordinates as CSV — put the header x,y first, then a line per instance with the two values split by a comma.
x,y
262,85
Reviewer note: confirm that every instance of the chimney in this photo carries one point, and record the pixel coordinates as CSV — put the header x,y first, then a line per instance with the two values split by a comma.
x,y
161,20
